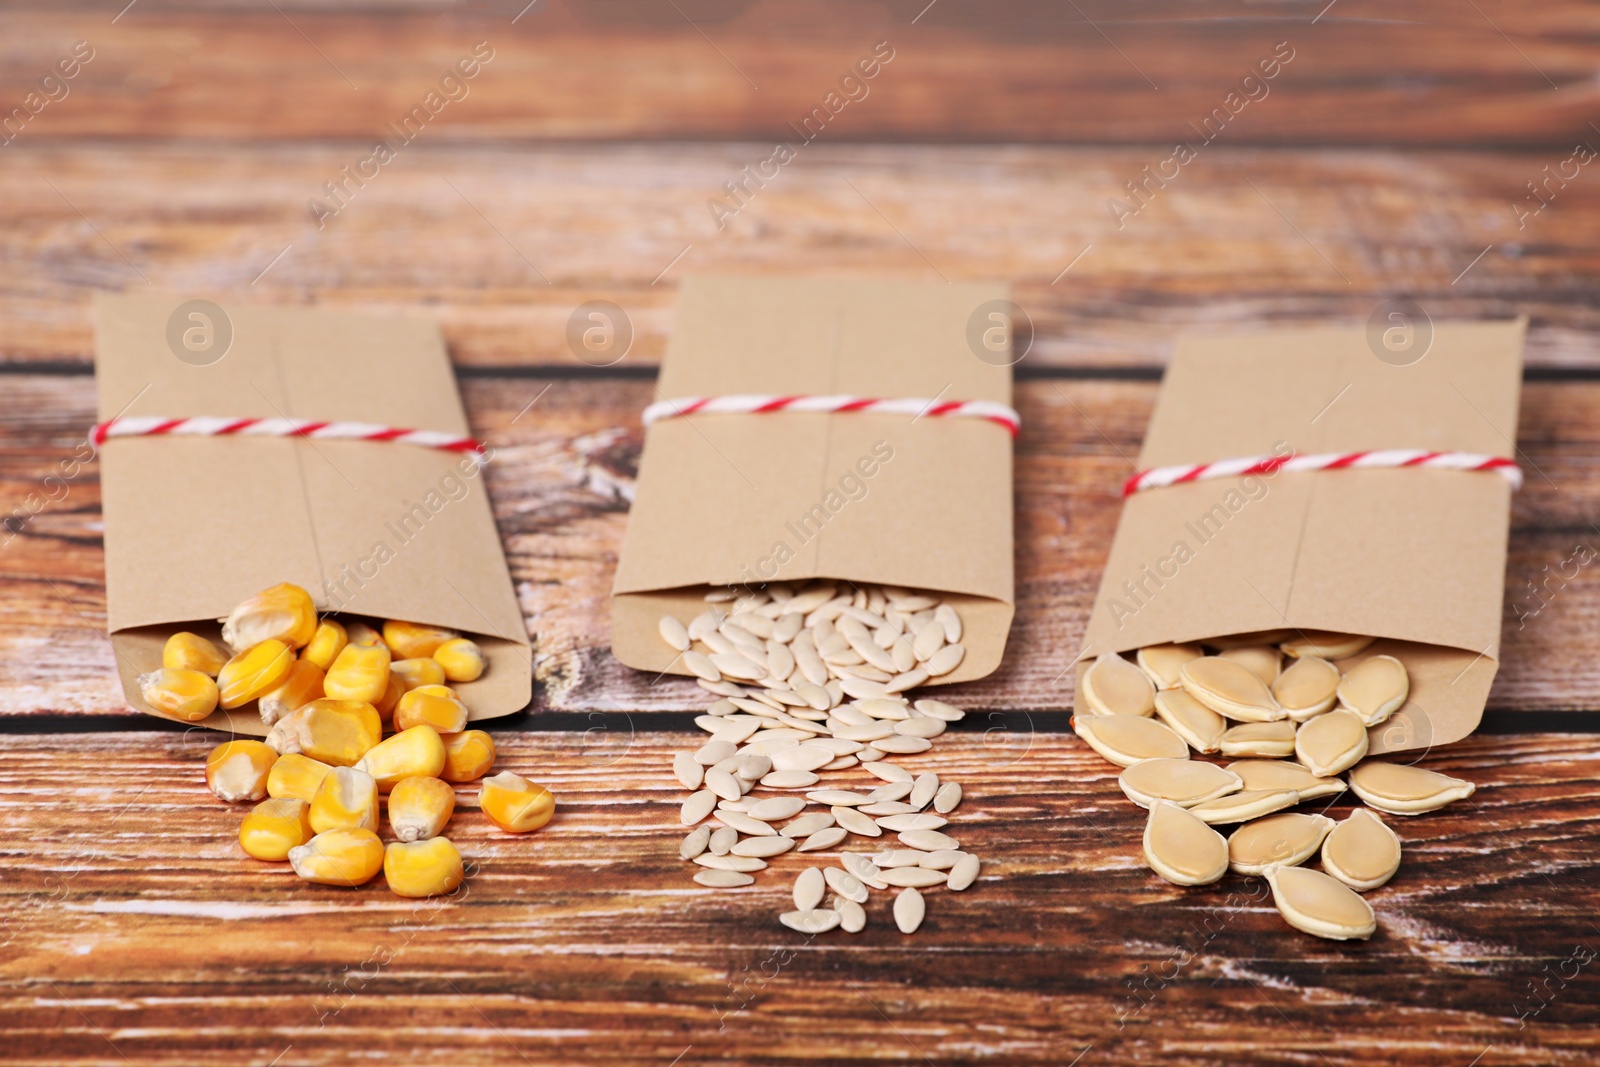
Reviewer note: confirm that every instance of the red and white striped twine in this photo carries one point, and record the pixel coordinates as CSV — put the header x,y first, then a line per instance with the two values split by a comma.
x,y
755,404
1376,459
215,426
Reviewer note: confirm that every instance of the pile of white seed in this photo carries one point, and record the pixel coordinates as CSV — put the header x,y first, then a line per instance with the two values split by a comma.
x,y
813,679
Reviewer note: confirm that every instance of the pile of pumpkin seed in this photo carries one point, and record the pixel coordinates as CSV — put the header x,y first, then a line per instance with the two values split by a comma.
x,y
1291,728
813,679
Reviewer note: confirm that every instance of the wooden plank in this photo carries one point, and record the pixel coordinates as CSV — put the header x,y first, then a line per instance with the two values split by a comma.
x,y
136,931
502,244
1500,73
561,482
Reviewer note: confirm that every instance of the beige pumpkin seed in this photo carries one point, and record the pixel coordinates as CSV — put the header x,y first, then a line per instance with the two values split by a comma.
x,y
714,752
774,809
888,772
763,847
892,791
1127,739
867,872
1362,852
886,807
753,766
1332,742
806,825
1199,726
1113,686
1265,740
845,884
907,680
723,879
790,779
1181,848
1244,806
697,807
1263,661
1180,781
1400,789
927,840
747,864
809,888
964,873
822,839
1287,839
915,877
810,921
923,790
861,688
738,728
909,910
875,731
745,824
723,784
1280,774
1307,688
901,745
1320,904
929,641
1324,644
700,665
913,821
843,797
1161,663
722,841
801,758
948,796
687,771
856,823
942,860
882,708
674,633
923,727
1375,688
1229,689
852,916
899,857
945,660
946,617
938,709
697,841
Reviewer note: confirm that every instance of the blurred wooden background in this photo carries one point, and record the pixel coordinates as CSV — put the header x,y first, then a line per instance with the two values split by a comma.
x,y
1428,150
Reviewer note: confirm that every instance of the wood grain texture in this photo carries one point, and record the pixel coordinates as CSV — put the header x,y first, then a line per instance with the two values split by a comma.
x,y
502,243
1494,73
136,931
562,478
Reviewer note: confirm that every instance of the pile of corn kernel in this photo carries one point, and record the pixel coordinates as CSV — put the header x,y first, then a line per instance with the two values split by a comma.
x,y
329,691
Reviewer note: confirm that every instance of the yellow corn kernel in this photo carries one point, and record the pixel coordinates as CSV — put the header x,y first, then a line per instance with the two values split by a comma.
x,y
238,770
513,803
417,672
325,644
413,753
391,697
413,639
335,732
436,705
467,756
275,826
283,613
347,799
420,807
339,857
296,777
359,633
422,868
462,660
258,669
300,687
193,652
359,672
179,692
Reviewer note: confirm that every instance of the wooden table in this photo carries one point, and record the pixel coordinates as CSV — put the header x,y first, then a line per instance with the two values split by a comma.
x,y
1390,158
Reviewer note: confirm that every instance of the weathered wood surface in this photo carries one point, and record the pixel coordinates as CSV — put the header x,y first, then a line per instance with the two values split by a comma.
x,y
561,481
1490,73
136,931
501,244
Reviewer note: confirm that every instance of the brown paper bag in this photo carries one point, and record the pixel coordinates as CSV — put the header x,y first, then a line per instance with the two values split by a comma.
x,y
721,499
1414,556
193,526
